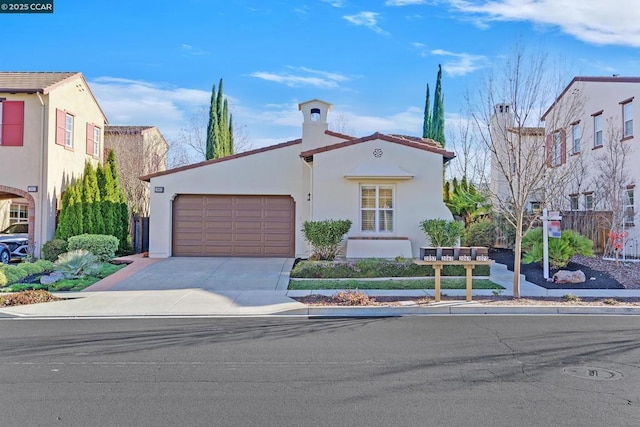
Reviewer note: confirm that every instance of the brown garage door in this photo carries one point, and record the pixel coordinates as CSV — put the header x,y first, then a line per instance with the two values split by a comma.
x,y
213,225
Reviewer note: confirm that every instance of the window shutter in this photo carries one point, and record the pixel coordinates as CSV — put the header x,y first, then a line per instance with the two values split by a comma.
x,y
563,147
61,131
547,151
90,139
13,123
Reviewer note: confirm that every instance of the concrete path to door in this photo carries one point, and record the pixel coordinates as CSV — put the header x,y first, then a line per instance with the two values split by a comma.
x,y
211,274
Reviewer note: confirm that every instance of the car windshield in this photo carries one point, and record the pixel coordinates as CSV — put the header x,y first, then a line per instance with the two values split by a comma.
x,y
16,228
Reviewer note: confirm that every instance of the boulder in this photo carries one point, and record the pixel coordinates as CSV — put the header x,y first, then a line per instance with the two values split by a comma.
x,y
566,276
51,278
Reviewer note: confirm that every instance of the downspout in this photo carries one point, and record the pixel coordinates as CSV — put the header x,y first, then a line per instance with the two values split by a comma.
x,y
43,172
310,187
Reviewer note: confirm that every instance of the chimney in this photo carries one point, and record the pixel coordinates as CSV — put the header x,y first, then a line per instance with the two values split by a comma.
x,y
314,124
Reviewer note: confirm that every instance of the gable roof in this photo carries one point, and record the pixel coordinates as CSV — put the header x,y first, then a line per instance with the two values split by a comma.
x,y
591,79
126,129
409,141
40,82
222,159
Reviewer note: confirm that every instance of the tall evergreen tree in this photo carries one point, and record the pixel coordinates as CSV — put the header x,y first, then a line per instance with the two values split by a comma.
x,y
426,125
220,128
92,212
437,121
107,199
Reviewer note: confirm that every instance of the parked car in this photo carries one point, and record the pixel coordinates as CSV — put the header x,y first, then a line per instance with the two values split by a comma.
x,y
14,242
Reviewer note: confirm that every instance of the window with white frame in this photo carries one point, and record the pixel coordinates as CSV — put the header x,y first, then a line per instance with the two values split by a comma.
x,y
575,137
18,213
629,206
574,202
627,119
96,141
68,128
588,201
536,207
597,130
556,149
376,208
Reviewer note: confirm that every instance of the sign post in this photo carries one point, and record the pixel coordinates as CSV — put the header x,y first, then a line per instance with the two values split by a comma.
x,y
550,228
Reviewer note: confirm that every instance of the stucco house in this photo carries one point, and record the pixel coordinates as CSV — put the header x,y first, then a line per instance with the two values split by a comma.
x,y
254,203
600,131
50,125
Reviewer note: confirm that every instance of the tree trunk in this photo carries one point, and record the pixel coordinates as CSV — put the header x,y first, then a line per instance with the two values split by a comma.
x,y
517,252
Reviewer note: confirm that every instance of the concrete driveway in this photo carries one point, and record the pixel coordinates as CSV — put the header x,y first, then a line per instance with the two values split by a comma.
x,y
211,274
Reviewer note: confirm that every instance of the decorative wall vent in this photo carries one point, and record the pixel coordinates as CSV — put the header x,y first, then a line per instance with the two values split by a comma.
x,y
377,153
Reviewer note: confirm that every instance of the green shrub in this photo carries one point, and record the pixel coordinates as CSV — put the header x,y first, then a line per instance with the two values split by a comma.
x,y
326,236
12,273
53,248
30,268
47,266
3,279
481,233
102,246
77,264
560,250
369,268
442,232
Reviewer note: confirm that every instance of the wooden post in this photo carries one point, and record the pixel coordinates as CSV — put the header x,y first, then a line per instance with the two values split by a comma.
x,y
469,270
436,269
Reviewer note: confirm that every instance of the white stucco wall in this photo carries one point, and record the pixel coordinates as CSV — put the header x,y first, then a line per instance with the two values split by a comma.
x,y
274,172
416,199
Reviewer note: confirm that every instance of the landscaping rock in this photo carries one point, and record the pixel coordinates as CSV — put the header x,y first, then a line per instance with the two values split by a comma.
x,y
566,276
51,278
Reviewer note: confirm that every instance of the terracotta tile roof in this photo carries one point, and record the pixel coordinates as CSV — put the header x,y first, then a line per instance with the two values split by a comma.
x,y
535,131
223,159
409,141
591,79
126,129
31,82
339,135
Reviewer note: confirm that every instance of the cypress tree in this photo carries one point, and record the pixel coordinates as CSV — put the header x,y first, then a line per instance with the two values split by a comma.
x,y
75,219
92,212
437,122
62,232
107,198
220,127
426,125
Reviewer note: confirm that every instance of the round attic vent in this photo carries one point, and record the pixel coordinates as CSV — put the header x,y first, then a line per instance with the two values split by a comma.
x,y
377,153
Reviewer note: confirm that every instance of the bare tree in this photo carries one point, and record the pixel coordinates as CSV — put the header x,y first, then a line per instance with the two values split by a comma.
x,y
507,113
191,144
340,123
139,151
611,183
472,156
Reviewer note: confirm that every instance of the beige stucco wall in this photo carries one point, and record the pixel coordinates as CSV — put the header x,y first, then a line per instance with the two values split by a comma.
x,y
416,199
50,168
605,97
4,213
274,172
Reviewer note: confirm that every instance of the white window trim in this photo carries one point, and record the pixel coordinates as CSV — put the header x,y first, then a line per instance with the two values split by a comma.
x,y
377,209
626,119
576,198
96,141
597,120
21,209
588,196
68,132
575,138
629,204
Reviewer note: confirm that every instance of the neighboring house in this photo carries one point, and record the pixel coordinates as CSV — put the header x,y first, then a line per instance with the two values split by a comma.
x,y
139,150
254,203
50,126
595,143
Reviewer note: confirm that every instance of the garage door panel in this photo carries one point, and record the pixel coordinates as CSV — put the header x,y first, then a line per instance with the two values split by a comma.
x,y
211,225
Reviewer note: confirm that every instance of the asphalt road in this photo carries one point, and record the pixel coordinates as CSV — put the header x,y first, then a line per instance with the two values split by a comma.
x,y
412,371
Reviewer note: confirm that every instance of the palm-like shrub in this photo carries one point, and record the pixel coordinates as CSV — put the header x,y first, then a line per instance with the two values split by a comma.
x,y
560,250
77,264
442,232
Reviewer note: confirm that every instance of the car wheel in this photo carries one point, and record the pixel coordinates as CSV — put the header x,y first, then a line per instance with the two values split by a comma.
x,y
5,256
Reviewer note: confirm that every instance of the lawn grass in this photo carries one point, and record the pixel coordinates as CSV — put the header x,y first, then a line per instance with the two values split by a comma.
x,y
445,283
73,285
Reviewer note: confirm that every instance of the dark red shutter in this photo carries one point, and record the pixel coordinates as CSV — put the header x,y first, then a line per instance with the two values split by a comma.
x,y
13,123
90,139
548,153
563,147
61,126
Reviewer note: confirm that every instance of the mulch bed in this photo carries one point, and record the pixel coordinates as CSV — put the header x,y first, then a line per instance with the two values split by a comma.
x,y
596,279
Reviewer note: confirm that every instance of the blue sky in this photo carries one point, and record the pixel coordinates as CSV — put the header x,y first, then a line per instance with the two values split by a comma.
x,y
154,62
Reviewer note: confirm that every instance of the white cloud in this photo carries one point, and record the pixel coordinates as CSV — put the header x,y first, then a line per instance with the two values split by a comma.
x,y
403,2
463,63
191,50
303,76
593,21
366,19
335,3
137,102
